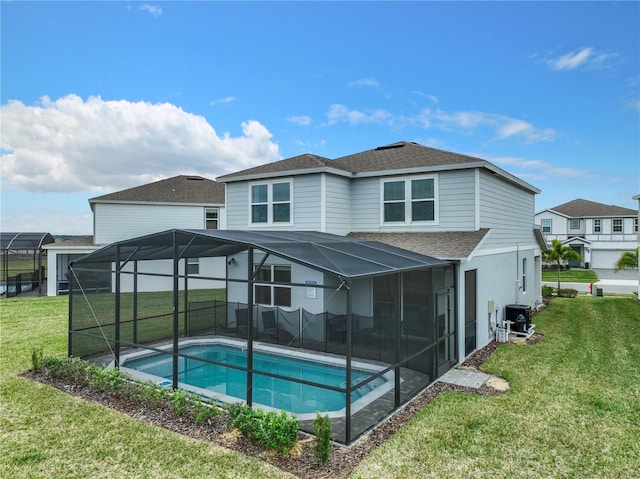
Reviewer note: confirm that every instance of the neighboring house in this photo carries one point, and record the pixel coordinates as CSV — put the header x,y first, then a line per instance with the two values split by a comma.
x,y
599,233
437,203
179,202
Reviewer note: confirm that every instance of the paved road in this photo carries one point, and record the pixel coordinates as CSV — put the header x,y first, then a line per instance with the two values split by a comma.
x,y
610,281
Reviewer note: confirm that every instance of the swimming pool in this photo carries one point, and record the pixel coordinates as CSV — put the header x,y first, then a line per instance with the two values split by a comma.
x,y
230,385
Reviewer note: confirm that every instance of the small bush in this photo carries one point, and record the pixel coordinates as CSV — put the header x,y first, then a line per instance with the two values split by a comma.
x,y
567,293
36,358
322,429
270,430
547,291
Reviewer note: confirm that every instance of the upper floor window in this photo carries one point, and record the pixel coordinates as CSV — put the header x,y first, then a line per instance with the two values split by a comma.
x,y
546,226
597,226
273,294
409,200
635,225
271,203
617,225
575,224
211,218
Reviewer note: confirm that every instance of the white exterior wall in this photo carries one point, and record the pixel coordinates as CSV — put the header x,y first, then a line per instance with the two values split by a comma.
x,y
118,221
456,204
306,205
507,210
57,264
499,278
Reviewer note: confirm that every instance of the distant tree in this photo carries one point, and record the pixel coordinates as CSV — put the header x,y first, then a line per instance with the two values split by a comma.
x,y
627,260
559,255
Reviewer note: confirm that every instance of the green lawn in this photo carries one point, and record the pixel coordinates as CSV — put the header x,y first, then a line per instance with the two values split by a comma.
x,y
571,276
573,411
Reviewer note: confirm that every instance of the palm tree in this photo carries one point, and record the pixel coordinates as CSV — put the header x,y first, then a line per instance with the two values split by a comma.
x,y
627,260
559,254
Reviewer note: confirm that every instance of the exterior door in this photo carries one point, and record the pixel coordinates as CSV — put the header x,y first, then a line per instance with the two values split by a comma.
x,y
445,332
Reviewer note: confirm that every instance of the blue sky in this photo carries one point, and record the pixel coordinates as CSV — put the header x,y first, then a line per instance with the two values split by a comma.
x,y
101,96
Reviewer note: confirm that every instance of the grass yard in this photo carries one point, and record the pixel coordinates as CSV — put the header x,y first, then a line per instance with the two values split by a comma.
x,y
573,411
571,276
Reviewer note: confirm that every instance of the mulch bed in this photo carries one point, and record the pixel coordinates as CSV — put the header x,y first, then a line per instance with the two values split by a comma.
x,y
301,461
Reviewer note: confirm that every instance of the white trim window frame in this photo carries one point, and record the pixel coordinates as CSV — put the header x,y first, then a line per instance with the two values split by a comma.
x,y
574,223
270,203
547,225
268,294
212,218
409,200
597,225
616,225
193,266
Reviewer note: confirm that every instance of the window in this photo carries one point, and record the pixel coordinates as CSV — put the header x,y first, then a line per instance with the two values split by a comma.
x,y
409,201
546,226
270,294
271,203
524,275
193,265
575,224
211,218
635,225
617,225
597,226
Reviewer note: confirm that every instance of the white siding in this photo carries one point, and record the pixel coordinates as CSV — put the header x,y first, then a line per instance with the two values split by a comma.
x,y
507,210
337,196
456,204
118,221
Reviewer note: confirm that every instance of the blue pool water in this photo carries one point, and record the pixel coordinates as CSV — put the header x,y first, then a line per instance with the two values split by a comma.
x,y
276,393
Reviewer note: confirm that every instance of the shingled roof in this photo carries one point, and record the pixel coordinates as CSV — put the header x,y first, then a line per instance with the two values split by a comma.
x,y
179,189
446,245
394,157
590,209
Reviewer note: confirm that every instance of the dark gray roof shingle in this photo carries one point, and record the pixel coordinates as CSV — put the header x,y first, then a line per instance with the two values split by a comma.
x,y
179,189
443,245
300,162
580,208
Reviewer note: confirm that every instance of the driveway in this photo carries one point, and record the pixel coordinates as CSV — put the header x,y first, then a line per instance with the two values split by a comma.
x,y
624,281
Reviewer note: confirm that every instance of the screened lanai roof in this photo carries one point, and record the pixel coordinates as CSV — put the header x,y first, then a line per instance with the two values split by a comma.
x,y
347,258
24,241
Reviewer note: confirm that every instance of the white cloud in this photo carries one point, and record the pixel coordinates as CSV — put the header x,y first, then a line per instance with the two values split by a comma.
x,y
152,9
341,114
95,145
583,58
541,169
301,120
226,99
365,82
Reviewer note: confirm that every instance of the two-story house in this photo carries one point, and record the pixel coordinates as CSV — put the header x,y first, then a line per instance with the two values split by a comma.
x,y
599,233
349,284
177,202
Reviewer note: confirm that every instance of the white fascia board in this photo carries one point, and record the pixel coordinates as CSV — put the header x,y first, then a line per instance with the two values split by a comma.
x,y
157,203
286,173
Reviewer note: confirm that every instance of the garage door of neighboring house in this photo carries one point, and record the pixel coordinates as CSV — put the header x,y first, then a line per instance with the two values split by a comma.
x,y
605,259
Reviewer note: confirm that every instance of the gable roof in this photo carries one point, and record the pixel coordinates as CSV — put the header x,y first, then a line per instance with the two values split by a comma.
x,y
396,158
179,189
580,208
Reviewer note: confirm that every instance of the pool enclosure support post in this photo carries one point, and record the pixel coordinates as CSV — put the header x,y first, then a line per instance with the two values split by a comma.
x,y
176,284
397,344
186,297
135,301
250,277
116,351
347,408
69,335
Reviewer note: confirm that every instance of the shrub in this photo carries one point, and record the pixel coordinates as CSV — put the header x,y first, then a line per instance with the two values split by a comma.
x,y
270,430
322,429
547,291
567,293
36,358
